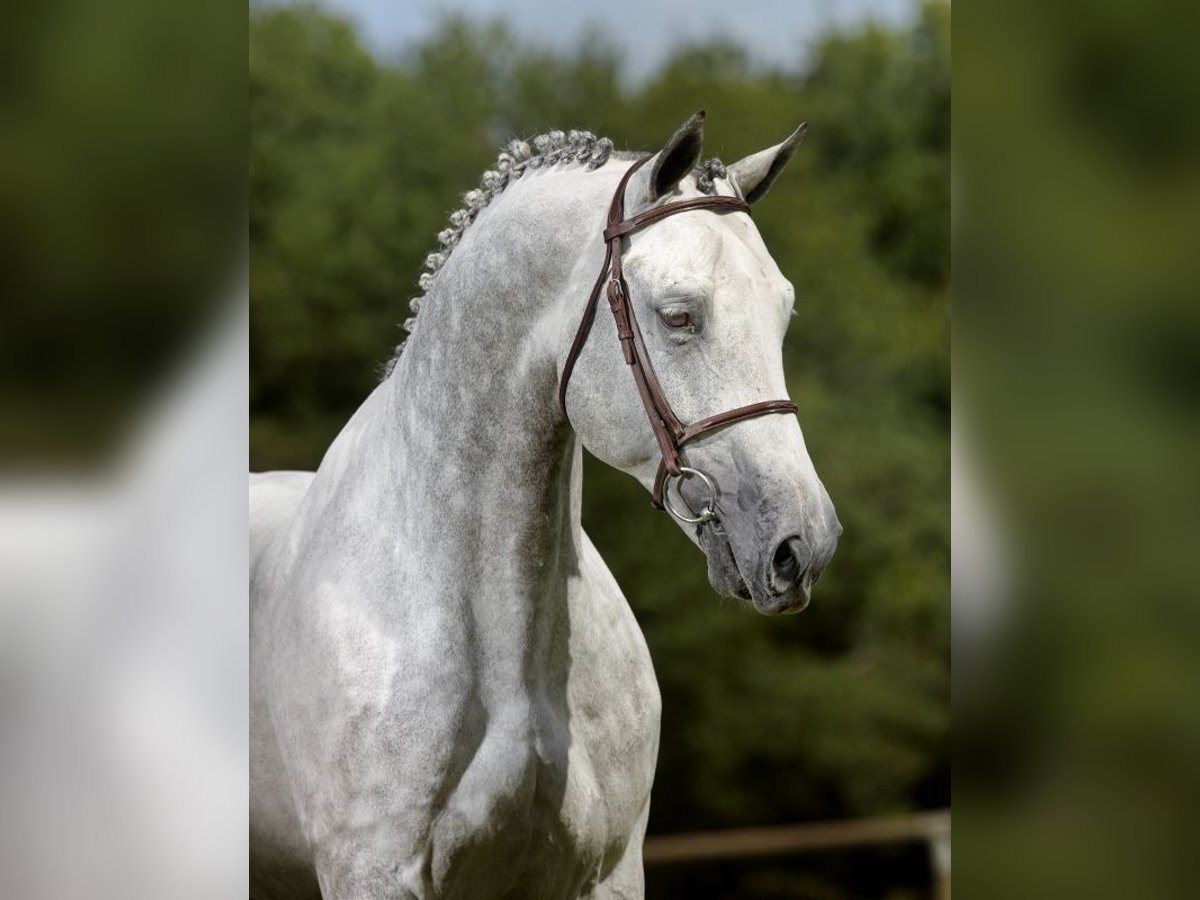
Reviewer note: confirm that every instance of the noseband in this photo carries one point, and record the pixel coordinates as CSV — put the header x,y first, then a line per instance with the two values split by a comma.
x,y
670,433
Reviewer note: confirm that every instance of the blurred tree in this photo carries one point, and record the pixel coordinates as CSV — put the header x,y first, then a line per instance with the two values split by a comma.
x,y
842,711
120,210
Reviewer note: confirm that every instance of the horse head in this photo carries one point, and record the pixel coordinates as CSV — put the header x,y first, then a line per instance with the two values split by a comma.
x,y
711,309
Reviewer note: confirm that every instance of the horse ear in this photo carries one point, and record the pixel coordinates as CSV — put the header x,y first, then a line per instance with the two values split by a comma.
x,y
677,157
755,174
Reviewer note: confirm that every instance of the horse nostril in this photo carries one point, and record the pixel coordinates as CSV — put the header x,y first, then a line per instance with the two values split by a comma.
x,y
789,563
786,567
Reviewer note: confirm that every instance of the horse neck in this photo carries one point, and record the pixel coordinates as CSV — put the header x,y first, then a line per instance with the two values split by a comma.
x,y
472,469
474,392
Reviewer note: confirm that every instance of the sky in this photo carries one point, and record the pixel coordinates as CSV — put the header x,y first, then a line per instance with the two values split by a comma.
x,y
777,32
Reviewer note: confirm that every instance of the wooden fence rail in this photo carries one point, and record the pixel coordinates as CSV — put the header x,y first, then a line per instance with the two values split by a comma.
x,y
931,827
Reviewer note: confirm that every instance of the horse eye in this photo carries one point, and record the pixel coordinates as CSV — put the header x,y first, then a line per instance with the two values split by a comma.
x,y
677,318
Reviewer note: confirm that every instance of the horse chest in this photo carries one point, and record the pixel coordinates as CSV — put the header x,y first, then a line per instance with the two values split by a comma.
x,y
555,805
555,811
448,774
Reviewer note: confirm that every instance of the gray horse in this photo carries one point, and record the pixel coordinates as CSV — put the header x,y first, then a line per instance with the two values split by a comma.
x,y
450,697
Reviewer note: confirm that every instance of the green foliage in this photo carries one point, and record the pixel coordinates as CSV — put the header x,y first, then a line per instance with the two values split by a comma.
x,y
841,711
120,208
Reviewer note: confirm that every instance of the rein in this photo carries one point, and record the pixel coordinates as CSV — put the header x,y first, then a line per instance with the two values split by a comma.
x,y
670,433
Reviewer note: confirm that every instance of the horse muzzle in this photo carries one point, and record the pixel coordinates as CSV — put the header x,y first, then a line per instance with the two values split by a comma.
x,y
795,566
776,574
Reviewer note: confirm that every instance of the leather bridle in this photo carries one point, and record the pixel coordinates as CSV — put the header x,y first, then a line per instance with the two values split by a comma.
x,y
670,433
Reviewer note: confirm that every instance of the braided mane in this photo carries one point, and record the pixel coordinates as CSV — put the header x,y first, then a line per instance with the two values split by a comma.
x,y
518,157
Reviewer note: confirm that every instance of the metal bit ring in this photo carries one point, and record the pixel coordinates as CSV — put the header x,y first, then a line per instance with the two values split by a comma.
x,y
708,514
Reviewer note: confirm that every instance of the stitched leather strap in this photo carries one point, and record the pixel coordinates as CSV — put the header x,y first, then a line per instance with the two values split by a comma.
x,y
669,432
581,333
661,212
589,311
713,423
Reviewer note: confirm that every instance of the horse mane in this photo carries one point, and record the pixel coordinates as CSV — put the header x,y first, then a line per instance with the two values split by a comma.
x,y
518,157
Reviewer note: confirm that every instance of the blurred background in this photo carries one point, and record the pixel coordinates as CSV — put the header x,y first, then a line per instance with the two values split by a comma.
x,y
368,122
1077,521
